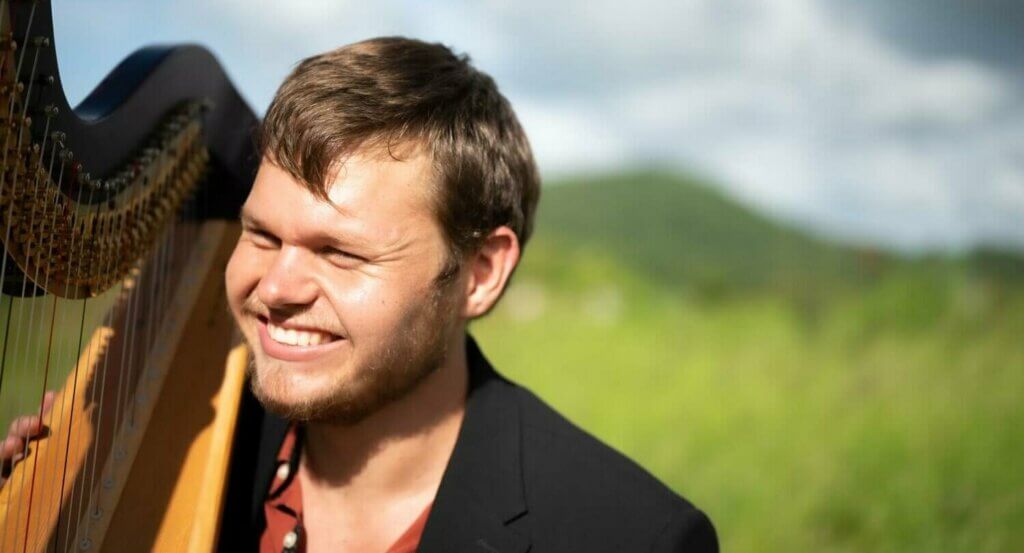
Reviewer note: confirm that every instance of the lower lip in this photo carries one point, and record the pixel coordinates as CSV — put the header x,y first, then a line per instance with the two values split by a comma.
x,y
286,352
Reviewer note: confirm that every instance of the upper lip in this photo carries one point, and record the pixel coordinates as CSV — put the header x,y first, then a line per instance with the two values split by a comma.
x,y
290,325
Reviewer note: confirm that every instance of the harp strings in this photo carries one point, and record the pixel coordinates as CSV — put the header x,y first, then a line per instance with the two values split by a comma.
x,y
126,370
88,484
153,285
148,290
53,310
13,189
14,177
32,359
79,487
76,346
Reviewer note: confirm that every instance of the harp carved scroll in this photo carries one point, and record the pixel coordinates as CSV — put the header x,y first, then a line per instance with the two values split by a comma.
x,y
116,221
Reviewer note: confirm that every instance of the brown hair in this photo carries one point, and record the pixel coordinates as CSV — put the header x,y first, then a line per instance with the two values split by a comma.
x,y
391,91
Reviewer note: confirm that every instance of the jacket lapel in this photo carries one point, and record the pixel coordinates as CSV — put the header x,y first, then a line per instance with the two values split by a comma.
x,y
482,488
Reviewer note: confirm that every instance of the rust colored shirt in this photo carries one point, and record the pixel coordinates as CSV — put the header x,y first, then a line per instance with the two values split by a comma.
x,y
284,532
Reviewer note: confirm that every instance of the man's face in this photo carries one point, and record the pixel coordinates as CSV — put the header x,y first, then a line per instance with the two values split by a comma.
x,y
338,299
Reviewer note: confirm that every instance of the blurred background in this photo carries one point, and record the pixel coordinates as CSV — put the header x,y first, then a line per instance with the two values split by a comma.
x,y
779,258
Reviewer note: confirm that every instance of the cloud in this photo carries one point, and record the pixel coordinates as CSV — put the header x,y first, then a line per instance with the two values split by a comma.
x,y
571,137
795,106
806,115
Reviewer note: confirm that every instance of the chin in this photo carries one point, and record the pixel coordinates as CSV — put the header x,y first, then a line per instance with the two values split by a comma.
x,y
290,395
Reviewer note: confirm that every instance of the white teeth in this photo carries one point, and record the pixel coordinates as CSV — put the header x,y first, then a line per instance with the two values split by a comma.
x,y
293,337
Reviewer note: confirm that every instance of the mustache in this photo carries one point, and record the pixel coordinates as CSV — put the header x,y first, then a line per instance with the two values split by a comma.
x,y
302,317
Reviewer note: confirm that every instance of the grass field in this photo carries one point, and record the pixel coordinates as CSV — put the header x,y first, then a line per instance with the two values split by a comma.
x,y
877,408
809,396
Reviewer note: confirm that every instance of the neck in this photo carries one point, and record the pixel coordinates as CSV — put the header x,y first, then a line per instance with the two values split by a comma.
x,y
402,449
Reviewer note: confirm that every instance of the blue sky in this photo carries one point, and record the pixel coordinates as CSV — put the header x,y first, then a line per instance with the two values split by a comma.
x,y
898,123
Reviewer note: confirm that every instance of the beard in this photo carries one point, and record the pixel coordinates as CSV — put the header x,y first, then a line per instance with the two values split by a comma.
x,y
389,371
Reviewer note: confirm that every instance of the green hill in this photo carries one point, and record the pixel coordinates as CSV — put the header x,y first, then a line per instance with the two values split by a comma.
x,y
684,233
809,396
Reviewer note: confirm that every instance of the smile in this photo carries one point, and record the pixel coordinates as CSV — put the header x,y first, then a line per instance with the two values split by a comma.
x,y
295,344
293,337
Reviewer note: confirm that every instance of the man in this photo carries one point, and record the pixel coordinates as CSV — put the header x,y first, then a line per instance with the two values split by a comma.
x,y
395,195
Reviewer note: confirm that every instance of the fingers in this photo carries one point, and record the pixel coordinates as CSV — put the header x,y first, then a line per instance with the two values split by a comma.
x,y
48,402
26,426
32,426
12,448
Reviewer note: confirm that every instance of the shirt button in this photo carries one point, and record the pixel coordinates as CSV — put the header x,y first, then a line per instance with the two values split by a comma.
x,y
283,471
290,539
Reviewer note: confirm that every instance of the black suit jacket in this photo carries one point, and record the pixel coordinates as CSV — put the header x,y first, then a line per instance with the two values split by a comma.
x,y
521,478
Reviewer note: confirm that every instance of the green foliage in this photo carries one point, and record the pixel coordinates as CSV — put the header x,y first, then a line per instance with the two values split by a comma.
x,y
880,412
680,231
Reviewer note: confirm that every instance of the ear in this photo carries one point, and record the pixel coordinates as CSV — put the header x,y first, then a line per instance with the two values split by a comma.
x,y
488,271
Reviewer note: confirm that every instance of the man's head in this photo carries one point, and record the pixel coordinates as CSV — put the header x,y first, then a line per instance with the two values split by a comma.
x,y
396,191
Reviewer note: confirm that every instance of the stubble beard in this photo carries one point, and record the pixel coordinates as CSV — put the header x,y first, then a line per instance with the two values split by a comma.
x,y
416,350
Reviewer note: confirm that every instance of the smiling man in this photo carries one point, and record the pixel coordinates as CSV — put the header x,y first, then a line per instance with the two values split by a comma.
x,y
396,192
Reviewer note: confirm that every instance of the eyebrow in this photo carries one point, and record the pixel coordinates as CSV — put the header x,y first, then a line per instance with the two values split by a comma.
x,y
249,220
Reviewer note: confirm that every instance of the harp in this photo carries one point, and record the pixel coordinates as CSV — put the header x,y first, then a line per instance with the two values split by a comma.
x,y
115,219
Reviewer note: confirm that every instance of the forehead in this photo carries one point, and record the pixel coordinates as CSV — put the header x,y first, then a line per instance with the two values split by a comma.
x,y
368,192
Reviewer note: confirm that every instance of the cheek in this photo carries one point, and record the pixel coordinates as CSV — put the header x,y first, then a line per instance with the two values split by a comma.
x,y
241,275
368,307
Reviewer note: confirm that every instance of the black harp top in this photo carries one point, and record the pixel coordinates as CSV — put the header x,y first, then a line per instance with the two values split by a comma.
x,y
118,117
106,142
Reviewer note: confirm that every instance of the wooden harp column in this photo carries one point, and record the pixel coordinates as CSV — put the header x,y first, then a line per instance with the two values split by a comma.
x,y
116,219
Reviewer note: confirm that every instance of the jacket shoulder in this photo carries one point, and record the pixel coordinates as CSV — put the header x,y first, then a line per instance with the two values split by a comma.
x,y
586,496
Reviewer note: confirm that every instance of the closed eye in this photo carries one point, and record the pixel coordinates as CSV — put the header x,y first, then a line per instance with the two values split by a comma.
x,y
262,238
335,254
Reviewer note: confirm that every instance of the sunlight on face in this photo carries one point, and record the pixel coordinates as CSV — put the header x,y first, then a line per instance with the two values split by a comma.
x,y
338,299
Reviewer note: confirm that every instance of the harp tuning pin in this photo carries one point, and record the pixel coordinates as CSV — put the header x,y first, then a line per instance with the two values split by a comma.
x,y
85,544
51,110
58,136
8,45
41,41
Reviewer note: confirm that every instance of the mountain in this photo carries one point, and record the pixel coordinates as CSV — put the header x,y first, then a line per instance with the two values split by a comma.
x,y
684,233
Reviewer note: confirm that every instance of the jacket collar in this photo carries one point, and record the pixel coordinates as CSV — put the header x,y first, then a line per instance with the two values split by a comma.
x,y
482,489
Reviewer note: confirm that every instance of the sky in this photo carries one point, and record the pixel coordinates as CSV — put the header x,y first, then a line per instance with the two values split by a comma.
x,y
893,123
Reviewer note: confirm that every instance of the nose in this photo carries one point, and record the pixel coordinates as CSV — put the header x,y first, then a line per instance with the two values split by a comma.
x,y
288,281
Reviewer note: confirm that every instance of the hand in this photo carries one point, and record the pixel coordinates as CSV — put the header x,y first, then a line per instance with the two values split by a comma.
x,y
25,427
